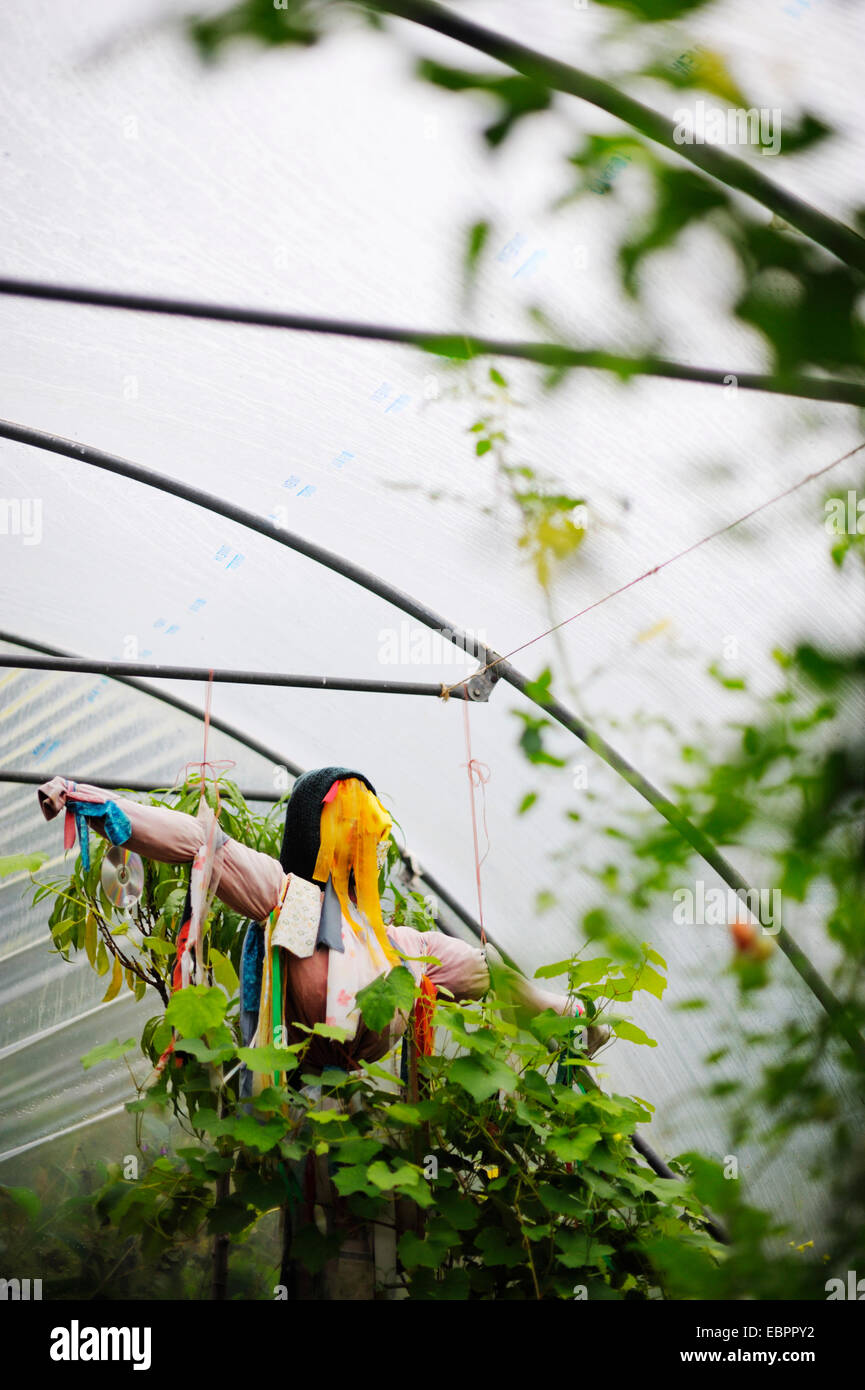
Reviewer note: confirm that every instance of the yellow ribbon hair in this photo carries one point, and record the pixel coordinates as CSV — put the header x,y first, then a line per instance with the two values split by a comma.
x,y
352,824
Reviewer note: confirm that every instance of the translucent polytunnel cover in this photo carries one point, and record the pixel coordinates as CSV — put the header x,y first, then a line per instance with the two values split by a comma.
x,y
331,180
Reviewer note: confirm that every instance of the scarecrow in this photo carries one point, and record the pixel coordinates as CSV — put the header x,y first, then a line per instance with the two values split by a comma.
x,y
315,935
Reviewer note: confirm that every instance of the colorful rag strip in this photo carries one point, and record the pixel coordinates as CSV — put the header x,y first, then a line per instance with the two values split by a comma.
x,y
118,826
353,823
271,1002
182,939
424,1008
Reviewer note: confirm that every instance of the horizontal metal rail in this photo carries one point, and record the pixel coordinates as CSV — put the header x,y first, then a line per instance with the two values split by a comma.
x,y
88,666
453,345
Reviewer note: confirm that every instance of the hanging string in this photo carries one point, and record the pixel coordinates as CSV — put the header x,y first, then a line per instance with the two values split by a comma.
x,y
207,702
647,574
479,775
215,768
188,961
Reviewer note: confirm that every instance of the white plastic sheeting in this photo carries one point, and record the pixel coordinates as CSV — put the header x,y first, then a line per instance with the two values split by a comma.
x,y
330,182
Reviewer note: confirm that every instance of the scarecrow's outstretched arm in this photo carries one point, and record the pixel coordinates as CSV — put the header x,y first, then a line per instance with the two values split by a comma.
x,y
527,993
248,881
462,970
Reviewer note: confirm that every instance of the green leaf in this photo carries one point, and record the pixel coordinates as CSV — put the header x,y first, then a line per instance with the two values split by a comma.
x,y
519,96
270,1058
655,11
475,243
681,198
577,1249
357,1150
539,689
256,1134
107,1052
331,1030
459,1213
631,1033
159,946
481,1076
650,980
550,972
574,1146
349,1180
404,1114
380,1000
101,957
427,1253
565,1203
224,972
199,1049
195,1009
230,1216
24,1198
17,864
590,972
497,1249
532,743
386,1179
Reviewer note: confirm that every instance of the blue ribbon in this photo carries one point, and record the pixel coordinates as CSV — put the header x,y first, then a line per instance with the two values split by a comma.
x,y
118,826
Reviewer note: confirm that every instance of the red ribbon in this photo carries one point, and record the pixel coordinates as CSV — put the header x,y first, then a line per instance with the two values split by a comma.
x,y
423,1015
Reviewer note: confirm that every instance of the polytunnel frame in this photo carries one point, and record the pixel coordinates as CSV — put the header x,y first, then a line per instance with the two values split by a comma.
x,y
840,240
705,847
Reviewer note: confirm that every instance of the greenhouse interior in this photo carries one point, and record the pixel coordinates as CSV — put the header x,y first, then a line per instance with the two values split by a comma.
x,y
432,661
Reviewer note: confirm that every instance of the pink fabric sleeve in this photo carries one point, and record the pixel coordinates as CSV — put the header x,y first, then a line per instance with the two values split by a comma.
x,y
463,970
541,999
248,881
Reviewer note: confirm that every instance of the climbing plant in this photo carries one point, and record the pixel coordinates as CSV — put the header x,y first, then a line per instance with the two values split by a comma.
x,y
507,1172
785,777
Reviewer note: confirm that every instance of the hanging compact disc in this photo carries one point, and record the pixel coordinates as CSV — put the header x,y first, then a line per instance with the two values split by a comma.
x,y
122,877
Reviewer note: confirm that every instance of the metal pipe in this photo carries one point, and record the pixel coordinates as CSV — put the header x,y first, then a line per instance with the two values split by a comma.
x,y
461,346
228,677
111,784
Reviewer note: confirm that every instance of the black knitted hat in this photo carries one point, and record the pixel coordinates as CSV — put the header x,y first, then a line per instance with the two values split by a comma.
x,y
301,838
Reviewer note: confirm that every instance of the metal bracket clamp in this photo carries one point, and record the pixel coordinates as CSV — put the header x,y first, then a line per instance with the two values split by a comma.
x,y
480,686
410,872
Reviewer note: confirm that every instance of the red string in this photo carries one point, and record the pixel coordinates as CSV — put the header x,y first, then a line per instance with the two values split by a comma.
x,y
478,775
222,764
207,699
671,559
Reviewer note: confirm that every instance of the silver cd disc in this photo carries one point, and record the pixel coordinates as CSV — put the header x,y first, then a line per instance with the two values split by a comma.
x,y
122,877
